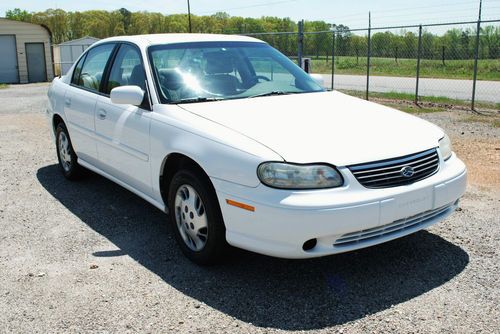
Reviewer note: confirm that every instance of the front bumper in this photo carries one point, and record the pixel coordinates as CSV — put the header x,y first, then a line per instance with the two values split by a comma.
x,y
283,219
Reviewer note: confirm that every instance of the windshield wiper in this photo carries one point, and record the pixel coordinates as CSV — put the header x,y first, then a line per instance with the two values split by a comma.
x,y
197,99
272,93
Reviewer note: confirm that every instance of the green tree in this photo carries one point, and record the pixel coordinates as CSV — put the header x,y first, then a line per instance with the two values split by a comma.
x,y
18,15
56,20
126,16
490,40
456,43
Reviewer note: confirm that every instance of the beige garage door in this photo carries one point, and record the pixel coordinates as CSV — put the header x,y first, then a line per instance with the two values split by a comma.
x,y
9,72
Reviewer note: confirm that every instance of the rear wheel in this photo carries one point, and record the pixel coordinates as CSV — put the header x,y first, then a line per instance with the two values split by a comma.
x,y
195,217
68,161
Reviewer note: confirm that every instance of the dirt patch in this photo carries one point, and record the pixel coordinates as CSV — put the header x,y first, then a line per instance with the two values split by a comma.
x,y
482,158
476,140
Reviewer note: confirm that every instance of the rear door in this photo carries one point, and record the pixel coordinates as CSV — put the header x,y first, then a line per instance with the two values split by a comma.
x,y
81,98
8,56
123,130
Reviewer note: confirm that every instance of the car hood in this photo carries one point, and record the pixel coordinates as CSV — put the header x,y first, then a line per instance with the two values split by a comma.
x,y
326,127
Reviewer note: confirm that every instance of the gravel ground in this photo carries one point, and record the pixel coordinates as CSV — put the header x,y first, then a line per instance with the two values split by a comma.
x,y
92,257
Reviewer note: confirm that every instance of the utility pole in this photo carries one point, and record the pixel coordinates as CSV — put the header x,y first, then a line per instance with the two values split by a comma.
x,y
368,55
300,40
476,56
419,54
189,16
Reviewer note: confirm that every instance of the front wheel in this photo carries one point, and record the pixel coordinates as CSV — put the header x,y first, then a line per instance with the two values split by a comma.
x,y
195,218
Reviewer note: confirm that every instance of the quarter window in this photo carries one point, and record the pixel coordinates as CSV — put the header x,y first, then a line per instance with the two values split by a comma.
x,y
93,67
77,71
127,69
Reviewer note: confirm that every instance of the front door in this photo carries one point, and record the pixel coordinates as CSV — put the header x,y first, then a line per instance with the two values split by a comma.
x,y
123,130
8,57
35,58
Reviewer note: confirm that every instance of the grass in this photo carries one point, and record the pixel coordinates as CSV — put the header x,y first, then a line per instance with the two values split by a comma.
x,y
439,100
490,112
2,85
488,69
493,121
412,108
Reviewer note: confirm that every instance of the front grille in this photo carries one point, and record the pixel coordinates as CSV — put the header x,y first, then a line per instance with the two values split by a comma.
x,y
395,227
388,173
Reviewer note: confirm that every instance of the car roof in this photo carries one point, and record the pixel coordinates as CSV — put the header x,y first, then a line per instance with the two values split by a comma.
x,y
153,39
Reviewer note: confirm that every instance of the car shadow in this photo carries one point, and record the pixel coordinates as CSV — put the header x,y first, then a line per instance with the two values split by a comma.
x,y
264,291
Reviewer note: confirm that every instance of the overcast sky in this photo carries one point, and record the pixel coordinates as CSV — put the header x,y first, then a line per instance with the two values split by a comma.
x,y
353,13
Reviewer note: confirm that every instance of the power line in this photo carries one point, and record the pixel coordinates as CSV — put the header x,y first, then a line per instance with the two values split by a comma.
x,y
401,9
427,16
426,13
249,6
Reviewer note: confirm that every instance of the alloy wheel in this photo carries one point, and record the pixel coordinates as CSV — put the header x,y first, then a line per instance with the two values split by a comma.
x,y
64,151
191,217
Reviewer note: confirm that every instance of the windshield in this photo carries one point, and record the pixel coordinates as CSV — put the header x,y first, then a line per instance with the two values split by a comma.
x,y
207,71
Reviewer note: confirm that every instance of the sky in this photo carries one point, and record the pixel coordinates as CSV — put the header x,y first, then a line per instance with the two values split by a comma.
x,y
353,13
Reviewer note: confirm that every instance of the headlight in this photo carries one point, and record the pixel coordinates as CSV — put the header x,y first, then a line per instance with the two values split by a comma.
x,y
445,147
291,176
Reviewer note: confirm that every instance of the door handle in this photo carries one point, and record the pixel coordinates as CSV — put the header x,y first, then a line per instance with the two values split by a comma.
x,y
67,102
101,114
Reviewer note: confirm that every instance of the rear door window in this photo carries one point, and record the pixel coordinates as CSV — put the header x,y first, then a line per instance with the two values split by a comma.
x,y
92,71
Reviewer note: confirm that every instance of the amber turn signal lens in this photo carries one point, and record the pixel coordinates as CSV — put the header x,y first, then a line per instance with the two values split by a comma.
x,y
240,205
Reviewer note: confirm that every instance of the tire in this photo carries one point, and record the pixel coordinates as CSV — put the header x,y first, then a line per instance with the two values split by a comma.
x,y
68,161
187,216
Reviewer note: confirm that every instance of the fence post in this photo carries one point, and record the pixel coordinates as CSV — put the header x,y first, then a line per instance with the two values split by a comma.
x,y
419,52
368,54
327,54
333,59
300,42
476,56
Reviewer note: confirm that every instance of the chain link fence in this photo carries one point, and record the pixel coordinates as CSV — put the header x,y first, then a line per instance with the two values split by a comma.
x,y
448,63
65,55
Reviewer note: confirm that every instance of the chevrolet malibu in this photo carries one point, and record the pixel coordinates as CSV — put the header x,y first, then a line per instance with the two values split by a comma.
x,y
239,146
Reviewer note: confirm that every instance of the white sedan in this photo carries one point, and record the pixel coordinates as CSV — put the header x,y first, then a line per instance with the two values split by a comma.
x,y
241,147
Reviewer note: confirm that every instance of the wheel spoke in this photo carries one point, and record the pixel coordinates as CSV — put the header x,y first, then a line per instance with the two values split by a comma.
x,y
190,216
64,151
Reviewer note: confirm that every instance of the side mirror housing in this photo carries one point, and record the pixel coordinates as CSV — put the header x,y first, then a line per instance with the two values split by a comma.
x,y
127,95
318,78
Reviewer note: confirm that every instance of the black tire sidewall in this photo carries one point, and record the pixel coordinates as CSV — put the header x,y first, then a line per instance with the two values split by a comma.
x,y
216,244
75,170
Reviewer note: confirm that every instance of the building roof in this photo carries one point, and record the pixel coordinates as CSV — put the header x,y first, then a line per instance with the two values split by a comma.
x,y
78,40
35,24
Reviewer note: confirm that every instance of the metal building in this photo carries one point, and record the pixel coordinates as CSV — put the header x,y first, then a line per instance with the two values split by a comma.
x,y
65,54
25,52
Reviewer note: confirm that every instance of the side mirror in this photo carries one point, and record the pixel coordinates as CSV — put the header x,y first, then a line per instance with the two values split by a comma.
x,y
319,79
127,95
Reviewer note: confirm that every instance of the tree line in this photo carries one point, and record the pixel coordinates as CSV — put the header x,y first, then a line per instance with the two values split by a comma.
x,y
456,43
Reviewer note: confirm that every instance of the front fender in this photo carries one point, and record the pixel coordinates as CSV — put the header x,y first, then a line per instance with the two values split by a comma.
x,y
222,153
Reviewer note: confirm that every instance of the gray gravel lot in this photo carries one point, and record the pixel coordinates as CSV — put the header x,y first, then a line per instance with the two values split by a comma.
x,y
89,256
